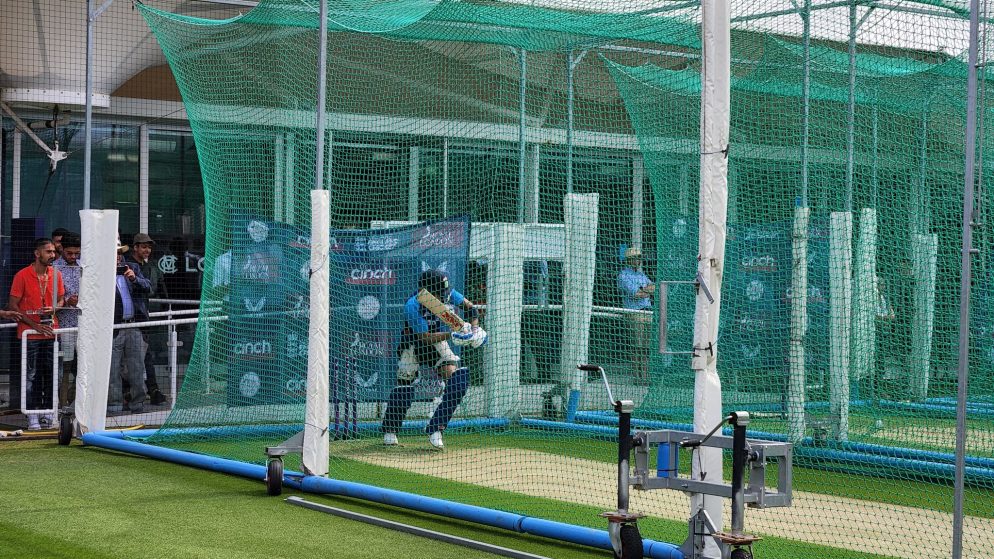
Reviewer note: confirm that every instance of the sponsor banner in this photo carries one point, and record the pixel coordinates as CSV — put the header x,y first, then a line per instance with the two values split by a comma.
x,y
373,274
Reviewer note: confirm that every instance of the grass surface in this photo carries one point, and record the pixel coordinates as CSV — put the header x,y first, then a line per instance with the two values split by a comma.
x,y
80,503
909,492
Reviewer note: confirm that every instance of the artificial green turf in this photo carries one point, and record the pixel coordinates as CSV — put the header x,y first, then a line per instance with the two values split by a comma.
x,y
978,501
82,503
651,528
915,493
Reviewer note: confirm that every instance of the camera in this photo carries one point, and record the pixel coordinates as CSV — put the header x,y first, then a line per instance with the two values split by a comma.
x,y
121,268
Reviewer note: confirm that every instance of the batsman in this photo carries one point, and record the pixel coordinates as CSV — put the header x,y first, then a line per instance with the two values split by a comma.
x,y
427,365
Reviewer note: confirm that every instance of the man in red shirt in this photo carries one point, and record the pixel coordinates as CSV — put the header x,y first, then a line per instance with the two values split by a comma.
x,y
35,293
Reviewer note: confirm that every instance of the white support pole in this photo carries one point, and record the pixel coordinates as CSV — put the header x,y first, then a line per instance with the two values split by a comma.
x,y
445,177
532,163
798,325
638,199
864,332
715,113
413,170
840,318
923,268
98,229
503,320
580,217
279,174
289,180
315,451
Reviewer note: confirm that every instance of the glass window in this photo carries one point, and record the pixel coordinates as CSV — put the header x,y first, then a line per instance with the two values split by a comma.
x,y
57,195
176,212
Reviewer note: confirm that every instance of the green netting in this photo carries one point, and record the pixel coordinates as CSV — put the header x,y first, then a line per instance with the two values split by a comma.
x,y
538,144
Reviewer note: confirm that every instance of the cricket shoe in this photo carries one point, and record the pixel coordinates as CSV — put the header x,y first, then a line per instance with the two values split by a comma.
x,y
436,440
390,439
33,423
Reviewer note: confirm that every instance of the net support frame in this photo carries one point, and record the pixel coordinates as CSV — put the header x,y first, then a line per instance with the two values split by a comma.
x,y
924,253
840,319
580,217
798,324
504,302
316,443
714,146
96,321
864,334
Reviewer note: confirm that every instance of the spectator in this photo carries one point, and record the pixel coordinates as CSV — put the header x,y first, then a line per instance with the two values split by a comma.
x,y
636,294
127,349
57,237
636,287
141,251
35,292
68,266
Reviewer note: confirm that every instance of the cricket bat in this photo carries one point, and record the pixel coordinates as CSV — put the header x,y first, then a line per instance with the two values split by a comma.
x,y
440,309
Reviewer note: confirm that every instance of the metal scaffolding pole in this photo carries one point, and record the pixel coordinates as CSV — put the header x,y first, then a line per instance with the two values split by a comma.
x,y
963,369
322,94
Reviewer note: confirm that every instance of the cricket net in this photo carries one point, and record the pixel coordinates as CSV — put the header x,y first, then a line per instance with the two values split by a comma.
x,y
525,150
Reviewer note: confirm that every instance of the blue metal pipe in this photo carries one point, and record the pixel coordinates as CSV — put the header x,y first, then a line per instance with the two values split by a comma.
x,y
311,484
223,465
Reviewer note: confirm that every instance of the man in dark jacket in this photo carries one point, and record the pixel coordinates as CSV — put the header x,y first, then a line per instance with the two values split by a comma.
x,y
141,252
129,307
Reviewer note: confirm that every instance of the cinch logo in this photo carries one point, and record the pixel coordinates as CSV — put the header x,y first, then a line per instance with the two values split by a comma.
x,y
372,276
258,350
759,264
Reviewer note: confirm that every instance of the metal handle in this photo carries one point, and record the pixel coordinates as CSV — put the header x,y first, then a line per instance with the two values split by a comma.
x,y
596,369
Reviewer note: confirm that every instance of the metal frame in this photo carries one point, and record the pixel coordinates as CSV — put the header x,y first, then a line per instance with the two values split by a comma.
x,y
756,494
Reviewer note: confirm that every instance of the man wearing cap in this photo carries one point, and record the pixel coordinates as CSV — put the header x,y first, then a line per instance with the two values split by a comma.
x,y
141,252
636,292
129,307
636,287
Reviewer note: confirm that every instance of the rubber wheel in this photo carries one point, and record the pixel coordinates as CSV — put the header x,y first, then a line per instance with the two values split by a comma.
x,y
631,542
274,477
65,429
741,553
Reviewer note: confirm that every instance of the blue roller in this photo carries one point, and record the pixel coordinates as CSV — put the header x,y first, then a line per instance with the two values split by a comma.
x,y
312,484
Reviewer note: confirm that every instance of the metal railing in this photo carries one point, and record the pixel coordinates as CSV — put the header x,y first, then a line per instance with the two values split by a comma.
x,y
172,318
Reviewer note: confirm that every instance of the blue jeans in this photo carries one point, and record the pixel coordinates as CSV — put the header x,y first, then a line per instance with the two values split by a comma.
x,y
39,374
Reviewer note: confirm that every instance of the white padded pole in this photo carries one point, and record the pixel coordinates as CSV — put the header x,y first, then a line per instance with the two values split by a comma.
x,y
503,320
864,331
315,451
580,215
840,317
713,216
798,325
98,229
923,268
